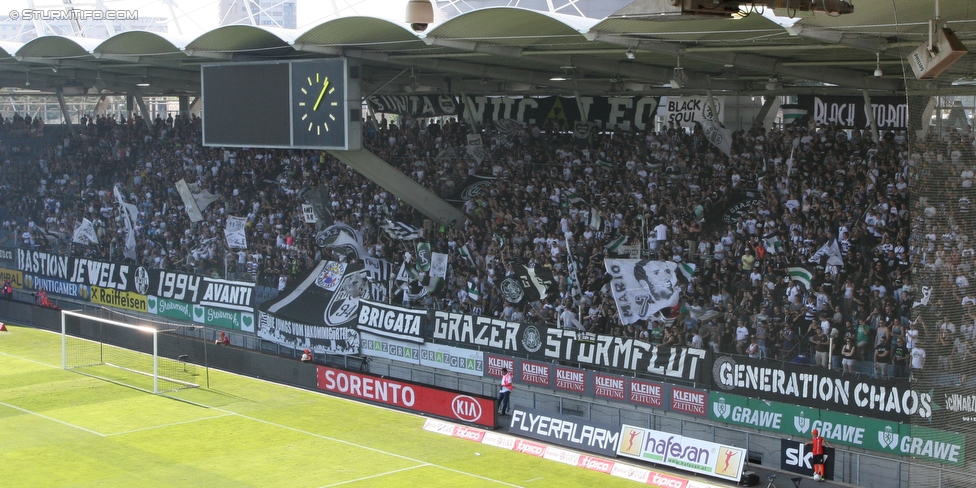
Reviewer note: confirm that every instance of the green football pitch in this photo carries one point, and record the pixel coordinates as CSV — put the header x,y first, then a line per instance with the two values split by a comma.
x,y
63,429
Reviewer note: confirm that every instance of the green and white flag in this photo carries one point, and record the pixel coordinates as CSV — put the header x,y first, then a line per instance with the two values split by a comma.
x,y
473,291
612,247
466,253
801,274
773,245
687,269
574,198
502,241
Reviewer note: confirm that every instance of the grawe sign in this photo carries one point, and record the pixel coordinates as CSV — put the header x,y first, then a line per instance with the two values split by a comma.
x,y
686,453
839,428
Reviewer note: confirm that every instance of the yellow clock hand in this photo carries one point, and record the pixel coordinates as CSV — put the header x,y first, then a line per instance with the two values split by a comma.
x,y
325,86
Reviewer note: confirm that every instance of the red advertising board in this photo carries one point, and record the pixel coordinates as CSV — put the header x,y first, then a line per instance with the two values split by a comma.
x,y
494,365
439,402
647,393
571,379
609,387
536,373
689,401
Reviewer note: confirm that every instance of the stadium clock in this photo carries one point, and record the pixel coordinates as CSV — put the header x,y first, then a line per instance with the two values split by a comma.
x,y
318,101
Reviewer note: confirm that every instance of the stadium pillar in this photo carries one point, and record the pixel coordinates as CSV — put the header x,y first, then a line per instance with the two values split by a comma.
x,y
184,104
767,106
64,110
146,118
406,189
870,113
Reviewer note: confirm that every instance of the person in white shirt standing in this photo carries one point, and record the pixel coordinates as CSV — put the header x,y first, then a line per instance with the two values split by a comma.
x,y
504,392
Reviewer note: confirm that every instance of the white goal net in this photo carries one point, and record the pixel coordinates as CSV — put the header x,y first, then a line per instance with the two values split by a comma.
x,y
137,356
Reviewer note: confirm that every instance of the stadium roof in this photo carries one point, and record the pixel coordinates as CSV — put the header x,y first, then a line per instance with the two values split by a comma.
x,y
478,48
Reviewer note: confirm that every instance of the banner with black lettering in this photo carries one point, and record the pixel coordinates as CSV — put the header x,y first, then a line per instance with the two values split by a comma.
x,y
394,322
685,111
564,112
320,339
327,295
816,387
415,105
574,432
850,112
623,354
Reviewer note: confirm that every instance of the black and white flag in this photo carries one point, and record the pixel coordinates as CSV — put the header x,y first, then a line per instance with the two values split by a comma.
x,y
317,203
402,231
831,251
85,233
528,284
641,287
129,213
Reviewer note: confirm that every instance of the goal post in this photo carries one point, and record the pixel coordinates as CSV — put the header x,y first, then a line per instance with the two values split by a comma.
x,y
139,356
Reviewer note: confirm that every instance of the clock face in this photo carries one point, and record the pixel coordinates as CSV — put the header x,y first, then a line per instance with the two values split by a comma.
x,y
318,104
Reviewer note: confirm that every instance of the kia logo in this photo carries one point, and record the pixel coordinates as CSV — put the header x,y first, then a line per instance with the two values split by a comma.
x,y
466,408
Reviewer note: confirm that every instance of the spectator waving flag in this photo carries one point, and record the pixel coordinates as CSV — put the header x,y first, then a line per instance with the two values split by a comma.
x,y
466,253
773,245
85,233
129,213
616,243
402,231
687,270
803,274
719,136
831,251
576,287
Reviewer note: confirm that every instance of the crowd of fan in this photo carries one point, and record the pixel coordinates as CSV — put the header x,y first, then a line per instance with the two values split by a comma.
x,y
663,190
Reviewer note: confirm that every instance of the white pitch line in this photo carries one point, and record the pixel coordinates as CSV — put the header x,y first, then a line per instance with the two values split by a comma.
x,y
364,478
52,419
533,479
465,473
350,443
30,360
167,425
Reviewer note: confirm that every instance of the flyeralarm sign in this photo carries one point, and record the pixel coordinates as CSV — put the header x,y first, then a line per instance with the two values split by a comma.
x,y
448,404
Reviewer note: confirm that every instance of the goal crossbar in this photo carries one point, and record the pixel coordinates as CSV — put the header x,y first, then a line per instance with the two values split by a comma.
x,y
123,356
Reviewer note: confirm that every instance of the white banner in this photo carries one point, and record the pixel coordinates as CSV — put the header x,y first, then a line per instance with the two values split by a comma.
x,y
641,288
719,136
234,232
680,452
308,212
383,347
688,110
396,322
455,359
466,361
438,265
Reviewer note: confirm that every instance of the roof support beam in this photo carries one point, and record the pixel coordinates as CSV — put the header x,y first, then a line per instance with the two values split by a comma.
x,y
756,62
485,72
622,68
